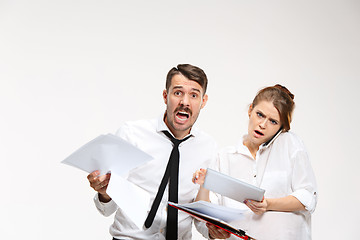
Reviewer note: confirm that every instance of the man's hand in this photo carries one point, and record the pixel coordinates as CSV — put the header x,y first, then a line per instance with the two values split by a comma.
x,y
99,184
215,232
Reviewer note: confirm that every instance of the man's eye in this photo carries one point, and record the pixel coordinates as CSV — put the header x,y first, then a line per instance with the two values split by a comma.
x,y
177,93
194,95
259,114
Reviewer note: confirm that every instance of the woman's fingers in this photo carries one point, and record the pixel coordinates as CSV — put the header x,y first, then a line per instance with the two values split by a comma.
x,y
199,177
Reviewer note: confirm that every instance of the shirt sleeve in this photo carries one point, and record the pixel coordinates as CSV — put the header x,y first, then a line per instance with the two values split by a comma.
x,y
109,208
126,133
105,209
304,182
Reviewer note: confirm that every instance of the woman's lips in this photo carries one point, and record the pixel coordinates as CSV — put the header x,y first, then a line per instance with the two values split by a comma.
x,y
258,133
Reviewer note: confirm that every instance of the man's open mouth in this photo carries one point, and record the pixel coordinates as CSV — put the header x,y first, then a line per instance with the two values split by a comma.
x,y
183,115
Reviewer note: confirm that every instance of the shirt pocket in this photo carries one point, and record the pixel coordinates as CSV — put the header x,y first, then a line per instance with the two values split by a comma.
x,y
275,184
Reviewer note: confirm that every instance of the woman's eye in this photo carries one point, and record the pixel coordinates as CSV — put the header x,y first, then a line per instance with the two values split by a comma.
x,y
273,122
259,114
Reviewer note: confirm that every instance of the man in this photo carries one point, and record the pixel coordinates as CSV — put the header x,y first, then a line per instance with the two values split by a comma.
x,y
184,96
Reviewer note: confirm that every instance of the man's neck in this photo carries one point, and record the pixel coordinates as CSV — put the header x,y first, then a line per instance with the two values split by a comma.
x,y
177,134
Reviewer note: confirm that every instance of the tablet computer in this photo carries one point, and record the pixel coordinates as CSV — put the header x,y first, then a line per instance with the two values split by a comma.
x,y
231,187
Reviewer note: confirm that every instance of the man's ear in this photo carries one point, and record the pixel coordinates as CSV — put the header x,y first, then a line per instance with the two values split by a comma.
x,y
165,96
204,101
250,109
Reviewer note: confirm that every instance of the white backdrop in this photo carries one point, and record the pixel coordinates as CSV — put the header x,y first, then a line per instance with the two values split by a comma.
x,y
73,69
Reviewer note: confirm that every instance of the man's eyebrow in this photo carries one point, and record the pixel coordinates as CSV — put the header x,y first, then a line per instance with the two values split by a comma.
x,y
196,90
177,87
181,87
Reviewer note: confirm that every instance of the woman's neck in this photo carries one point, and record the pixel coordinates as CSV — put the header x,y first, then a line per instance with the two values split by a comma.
x,y
253,148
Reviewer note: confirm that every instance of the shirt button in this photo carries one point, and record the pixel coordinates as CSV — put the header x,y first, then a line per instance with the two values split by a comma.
x,y
255,176
162,230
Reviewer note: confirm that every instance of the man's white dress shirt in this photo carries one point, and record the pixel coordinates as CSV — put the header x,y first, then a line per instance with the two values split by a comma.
x,y
199,151
282,168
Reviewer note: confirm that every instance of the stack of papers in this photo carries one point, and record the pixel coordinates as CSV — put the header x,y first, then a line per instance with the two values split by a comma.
x,y
222,213
107,153
110,153
214,214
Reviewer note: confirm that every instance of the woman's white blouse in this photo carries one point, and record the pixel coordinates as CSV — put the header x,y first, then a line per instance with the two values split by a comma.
x,y
282,168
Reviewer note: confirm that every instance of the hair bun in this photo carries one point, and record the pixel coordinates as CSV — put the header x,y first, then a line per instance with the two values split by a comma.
x,y
284,89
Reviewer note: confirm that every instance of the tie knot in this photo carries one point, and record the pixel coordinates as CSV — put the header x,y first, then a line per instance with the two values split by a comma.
x,y
175,141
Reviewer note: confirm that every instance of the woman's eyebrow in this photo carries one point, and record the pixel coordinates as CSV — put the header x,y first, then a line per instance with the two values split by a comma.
x,y
259,111
275,120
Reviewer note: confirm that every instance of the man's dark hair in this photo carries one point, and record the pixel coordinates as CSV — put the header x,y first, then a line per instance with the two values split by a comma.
x,y
190,72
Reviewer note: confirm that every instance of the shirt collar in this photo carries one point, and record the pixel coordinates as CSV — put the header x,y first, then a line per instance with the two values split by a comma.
x,y
163,127
267,144
241,148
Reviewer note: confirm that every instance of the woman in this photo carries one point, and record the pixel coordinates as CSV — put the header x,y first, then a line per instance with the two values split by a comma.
x,y
274,159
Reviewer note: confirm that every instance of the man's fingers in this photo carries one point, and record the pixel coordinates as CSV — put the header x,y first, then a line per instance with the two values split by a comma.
x,y
96,181
99,179
100,185
93,175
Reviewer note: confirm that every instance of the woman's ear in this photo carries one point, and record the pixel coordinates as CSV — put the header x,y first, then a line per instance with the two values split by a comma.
x,y
250,109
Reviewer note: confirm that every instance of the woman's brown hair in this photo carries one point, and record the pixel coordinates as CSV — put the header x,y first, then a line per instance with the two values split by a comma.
x,y
282,99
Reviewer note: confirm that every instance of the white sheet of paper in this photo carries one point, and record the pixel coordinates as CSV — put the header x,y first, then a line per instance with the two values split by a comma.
x,y
107,153
217,211
111,153
133,200
225,185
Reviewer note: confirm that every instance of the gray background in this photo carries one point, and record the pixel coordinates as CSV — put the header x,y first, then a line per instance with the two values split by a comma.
x,y
71,70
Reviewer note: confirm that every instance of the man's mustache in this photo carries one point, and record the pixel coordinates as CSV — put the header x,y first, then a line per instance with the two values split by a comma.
x,y
183,109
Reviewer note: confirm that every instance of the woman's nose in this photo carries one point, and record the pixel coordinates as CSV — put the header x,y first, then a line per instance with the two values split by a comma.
x,y
262,124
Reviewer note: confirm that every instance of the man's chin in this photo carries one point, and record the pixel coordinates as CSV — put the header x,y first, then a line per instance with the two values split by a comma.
x,y
179,127
182,128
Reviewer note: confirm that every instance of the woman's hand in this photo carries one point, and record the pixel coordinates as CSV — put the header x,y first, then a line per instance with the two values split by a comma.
x,y
257,207
284,204
199,177
215,232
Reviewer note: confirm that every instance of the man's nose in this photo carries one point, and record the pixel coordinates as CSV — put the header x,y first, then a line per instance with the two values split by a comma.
x,y
185,100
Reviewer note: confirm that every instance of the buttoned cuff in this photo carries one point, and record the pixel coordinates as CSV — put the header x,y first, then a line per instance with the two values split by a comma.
x,y
307,198
105,209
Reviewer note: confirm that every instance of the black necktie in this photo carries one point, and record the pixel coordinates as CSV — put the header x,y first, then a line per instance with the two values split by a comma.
x,y
172,172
